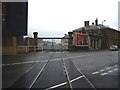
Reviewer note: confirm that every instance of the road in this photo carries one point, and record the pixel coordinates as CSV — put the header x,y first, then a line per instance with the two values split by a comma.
x,y
53,70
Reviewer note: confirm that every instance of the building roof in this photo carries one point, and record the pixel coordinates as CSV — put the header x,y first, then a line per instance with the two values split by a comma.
x,y
92,27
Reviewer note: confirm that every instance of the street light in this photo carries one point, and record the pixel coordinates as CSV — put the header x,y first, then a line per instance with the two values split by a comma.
x,y
119,28
103,21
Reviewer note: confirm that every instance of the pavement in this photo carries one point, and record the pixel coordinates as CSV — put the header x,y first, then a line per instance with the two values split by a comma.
x,y
53,70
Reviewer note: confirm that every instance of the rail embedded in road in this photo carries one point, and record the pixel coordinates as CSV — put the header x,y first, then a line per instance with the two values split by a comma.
x,y
33,72
65,69
83,75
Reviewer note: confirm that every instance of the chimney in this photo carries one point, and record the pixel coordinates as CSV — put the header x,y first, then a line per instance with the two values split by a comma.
x,y
96,22
35,34
86,23
70,34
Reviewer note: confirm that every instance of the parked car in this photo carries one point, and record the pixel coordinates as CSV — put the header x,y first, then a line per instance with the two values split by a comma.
x,y
113,48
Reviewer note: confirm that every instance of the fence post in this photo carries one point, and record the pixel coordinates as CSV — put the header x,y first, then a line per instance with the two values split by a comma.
x,y
26,49
34,48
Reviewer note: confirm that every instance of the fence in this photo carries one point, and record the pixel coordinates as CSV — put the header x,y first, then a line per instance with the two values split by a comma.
x,y
45,44
53,43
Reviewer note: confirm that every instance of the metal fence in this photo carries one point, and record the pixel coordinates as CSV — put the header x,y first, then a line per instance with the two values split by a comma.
x,y
52,44
42,44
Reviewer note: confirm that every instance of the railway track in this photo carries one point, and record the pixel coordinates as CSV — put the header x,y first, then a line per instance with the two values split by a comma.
x,y
21,83
79,77
71,79
38,70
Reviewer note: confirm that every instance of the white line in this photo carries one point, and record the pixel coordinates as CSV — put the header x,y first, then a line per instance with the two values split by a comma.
x,y
107,68
84,76
55,59
19,63
110,71
102,70
82,73
95,72
44,61
85,55
23,62
115,65
104,74
76,79
116,69
56,86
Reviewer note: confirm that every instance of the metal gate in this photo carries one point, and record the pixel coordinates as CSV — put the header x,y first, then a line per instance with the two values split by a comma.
x,y
52,44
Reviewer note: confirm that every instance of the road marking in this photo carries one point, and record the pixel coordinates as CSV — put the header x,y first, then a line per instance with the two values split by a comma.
x,y
115,65
95,72
58,85
107,68
104,74
24,62
102,70
55,59
86,55
82,73
110,71
19,63
115,69
76,79
29,62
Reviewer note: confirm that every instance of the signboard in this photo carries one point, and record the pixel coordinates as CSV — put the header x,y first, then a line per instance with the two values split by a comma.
x,y
81,39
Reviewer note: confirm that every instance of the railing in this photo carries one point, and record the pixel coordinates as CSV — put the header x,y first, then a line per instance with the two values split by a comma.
x,y
28,48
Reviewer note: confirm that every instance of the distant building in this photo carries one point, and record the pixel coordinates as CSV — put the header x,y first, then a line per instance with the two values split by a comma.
x,y
28,44
93,37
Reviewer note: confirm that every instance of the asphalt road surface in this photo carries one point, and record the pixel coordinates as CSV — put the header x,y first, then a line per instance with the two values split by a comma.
x,y
53,70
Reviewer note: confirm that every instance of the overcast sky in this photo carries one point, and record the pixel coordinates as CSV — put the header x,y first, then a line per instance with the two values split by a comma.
x,y
54,18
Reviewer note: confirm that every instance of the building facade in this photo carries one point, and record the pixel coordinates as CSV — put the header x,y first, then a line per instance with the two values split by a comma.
x,y
93,37
14,25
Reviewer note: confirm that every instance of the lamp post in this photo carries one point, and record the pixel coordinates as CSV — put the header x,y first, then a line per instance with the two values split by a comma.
x,y
103,21
119,28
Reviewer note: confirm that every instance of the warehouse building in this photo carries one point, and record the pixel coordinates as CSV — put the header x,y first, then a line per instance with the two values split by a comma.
x,y
14,25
